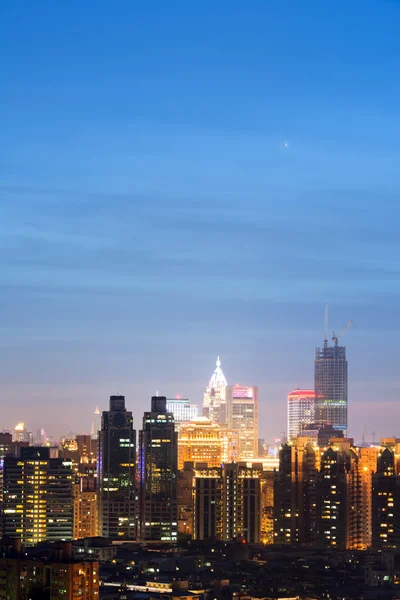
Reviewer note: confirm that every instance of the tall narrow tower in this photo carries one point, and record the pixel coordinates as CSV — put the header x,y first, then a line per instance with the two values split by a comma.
x,y
116,472
96,423
331,384
214,402
158,466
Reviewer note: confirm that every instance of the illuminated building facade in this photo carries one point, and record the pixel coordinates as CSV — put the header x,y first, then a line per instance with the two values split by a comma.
x,y
158,466
21,434
333,499
23,577
300,411
227,502
331,386
38,500
96,423
85,508
116,470
214,402
359,491
242,416
295,494
200,441
182,409
386,504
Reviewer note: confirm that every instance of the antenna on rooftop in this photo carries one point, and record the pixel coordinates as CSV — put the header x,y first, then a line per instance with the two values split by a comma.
x,y
326,325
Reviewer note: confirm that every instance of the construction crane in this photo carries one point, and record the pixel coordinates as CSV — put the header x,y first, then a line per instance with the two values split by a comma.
x,y
335,337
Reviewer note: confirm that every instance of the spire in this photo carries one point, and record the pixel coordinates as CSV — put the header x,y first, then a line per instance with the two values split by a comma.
x,y
218,378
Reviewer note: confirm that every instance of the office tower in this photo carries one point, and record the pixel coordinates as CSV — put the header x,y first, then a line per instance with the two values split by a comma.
x,y
85,508
57,575
116,472
214,407
333,498
182,409
230,445
295,494
242,416
38,502
41,438
158,465
386,504
96,423
300,411
21,434
208,503
227,502
267,507
331,385
359,484
200,441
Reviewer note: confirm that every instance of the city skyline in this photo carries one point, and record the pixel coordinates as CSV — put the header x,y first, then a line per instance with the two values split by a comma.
x,y
279,432
160,197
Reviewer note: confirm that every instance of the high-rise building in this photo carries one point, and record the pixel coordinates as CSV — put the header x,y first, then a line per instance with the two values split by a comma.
x,y
331,386
182,409
208,503
214,402
96,423
242,416
294,494
57,575
185,499
21,434
359,493
85,508
200,441
386,504
41,438
333,498
158,466
38,501
300,411
116,472
227,502
6,444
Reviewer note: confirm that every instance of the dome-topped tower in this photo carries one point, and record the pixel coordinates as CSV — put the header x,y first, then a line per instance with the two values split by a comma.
x,y
218,378
214,405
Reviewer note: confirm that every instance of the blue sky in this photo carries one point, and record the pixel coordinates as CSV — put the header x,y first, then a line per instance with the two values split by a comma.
x,y
180,180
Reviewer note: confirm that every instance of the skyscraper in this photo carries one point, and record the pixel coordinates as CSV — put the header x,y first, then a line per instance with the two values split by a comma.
x,y
116,472
386,504
227,502
300,411
331,386
182,409
96,423
158,466
200,441
214,406
242,416
38,502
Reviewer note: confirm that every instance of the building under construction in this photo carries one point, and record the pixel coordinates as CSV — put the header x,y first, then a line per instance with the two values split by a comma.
x,y
331,383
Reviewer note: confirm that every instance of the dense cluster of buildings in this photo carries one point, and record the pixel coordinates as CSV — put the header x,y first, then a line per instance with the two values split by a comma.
x,y
205,478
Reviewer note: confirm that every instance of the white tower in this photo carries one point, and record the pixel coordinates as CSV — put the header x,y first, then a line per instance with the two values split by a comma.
x,y
214,401
96,423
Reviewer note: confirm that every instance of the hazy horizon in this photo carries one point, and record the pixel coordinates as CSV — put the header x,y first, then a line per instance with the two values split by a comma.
x,y
183,181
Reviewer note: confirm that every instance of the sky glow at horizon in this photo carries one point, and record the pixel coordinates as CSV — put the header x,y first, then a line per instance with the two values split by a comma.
x,y
179,181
